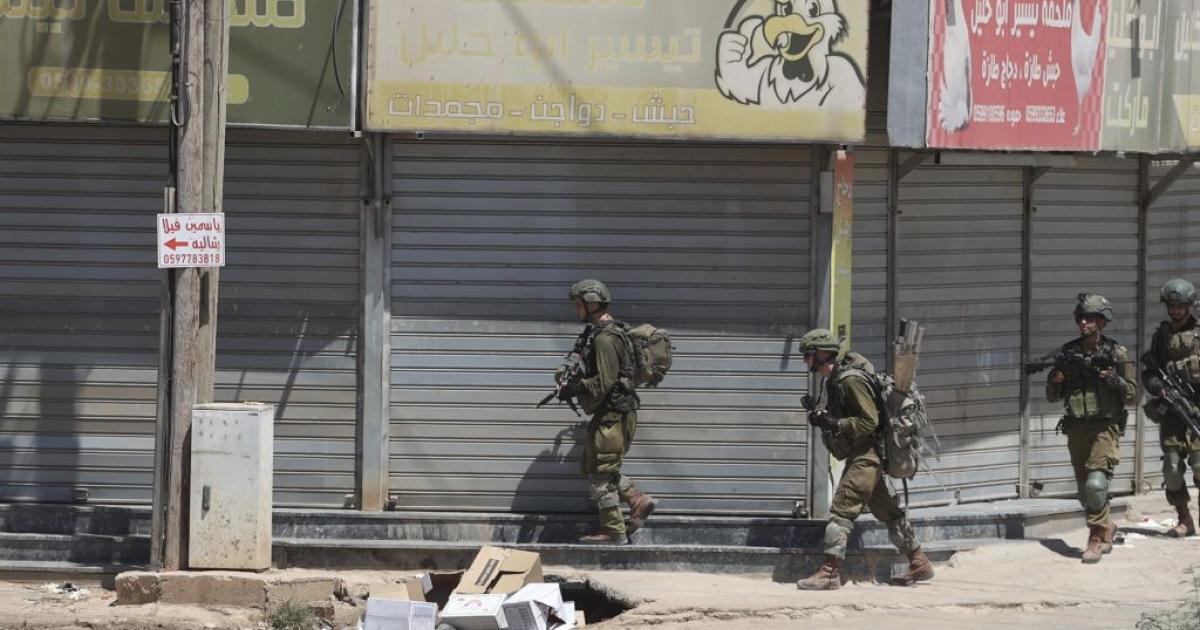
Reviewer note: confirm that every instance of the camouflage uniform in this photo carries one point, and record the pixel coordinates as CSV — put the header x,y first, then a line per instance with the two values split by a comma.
x,y
608,396
1094,417
851,433
607,391
851,401
1178,351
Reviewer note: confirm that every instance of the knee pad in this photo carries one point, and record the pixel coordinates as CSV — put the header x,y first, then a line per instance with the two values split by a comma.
x,y
625,486
901,533
1095,491
837,536
1172,470
602,492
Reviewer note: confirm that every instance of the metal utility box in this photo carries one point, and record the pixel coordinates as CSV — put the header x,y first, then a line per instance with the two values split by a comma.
x,y
230,507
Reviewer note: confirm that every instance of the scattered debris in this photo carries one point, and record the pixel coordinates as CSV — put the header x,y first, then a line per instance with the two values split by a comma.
x,y
74,593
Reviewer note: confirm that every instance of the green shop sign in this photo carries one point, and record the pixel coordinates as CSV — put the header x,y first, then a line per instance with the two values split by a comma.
x,y
291,61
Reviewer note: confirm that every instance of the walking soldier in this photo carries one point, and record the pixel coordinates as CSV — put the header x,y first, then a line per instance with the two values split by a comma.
x,y
850,423
1095,380
605,389
1176,347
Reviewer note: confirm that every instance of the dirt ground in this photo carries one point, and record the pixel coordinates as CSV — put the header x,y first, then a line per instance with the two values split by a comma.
x,y
1019,584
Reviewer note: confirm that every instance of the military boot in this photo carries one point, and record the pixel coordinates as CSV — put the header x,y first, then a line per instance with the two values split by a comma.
x,y
1184,526
1106,540
641,506
919,569
612,529
1093,553
827,578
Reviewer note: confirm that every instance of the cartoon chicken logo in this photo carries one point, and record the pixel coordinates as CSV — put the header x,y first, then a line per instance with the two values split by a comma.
x,y
787,58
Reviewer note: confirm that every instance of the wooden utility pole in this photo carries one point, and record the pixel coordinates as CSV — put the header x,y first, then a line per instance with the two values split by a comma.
x,y
202,27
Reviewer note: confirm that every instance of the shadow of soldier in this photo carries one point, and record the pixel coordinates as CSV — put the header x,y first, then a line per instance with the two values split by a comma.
x,y
1060,547
552,484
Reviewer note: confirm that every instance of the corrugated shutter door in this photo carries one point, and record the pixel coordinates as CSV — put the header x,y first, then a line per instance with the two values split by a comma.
x,y
1084,240
709,241
960,275
869,323
79,310
288,326
1173,251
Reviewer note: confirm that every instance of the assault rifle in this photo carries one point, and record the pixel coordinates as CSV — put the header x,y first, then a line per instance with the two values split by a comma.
x,y
1061,360
1179,394
571,371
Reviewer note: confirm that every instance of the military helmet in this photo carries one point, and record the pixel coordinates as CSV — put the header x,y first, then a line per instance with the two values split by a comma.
x,y
819,339
1178,291
1092,304
592,291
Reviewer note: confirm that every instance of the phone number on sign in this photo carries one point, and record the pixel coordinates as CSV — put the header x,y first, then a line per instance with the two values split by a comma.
x,y
193,260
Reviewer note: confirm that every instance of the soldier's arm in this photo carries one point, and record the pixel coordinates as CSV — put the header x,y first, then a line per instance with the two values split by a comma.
x,y
608,365
1053,390
1128,373
858,403
1158,350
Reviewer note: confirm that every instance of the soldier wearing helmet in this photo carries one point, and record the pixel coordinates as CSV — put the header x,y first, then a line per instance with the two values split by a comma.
x,y
1176,345
607,392
848,419
1094,390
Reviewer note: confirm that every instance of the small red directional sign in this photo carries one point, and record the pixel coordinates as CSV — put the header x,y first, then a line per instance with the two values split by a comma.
x,y
191,240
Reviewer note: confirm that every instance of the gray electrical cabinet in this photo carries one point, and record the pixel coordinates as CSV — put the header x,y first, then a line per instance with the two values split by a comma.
x,y
230,519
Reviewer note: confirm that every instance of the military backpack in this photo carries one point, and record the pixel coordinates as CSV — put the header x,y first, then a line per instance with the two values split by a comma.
x,y
904,429
651,353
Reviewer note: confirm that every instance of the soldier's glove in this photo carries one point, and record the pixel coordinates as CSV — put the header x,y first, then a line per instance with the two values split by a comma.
x,y
807,403
821,419
1113,380
1154,386
571,390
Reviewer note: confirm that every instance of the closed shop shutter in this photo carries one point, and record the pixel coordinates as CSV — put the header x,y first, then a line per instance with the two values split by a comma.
x,y
1172,251
710,241
80,299
288,322
1084,240
869,323
960,275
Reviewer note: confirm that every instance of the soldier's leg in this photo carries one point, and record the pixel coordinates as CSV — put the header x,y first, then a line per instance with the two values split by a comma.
x,y
886,507
606,449
1102,461
858,483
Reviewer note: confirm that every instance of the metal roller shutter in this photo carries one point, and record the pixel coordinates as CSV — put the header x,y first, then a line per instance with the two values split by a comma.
x,y
81,296
868,328
79,310
709,241
1084,239
960,274
288,324
1172,251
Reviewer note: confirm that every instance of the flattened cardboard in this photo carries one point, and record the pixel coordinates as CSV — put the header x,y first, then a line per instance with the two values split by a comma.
x,y
497,570
413,589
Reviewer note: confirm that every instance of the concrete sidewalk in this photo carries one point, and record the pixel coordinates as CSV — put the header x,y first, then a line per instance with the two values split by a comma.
x,y
1005,584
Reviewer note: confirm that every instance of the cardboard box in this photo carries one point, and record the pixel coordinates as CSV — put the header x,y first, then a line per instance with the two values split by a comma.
x,y
497,570
535,607
413,589
475,612
399,614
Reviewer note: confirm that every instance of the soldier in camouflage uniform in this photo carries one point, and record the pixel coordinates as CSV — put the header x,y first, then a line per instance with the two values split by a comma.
x,y
1094,401
1176,347
606,391
849,423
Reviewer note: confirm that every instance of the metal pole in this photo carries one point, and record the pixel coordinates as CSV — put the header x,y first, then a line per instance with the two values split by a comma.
x,y
1144,201
1027,211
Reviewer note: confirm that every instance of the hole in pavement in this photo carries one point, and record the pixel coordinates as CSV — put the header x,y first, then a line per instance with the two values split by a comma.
x,y
596,601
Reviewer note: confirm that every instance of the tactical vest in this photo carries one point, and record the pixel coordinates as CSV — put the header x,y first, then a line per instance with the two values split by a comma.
x,y
1084,395
623,396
